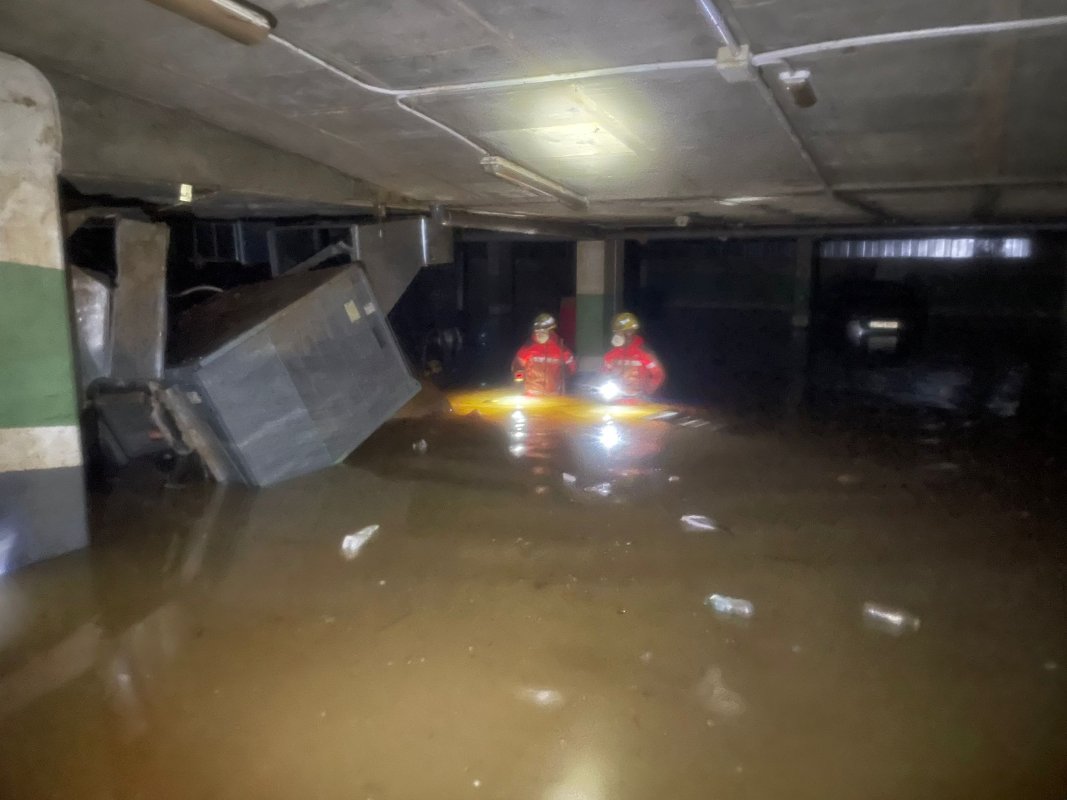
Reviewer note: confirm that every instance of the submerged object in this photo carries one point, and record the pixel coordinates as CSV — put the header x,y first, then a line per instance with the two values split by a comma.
x,y
354,542
724,606
698,523
894,621
285,377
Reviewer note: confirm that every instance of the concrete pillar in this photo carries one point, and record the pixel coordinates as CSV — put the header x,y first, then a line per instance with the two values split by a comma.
x,y
139,307
598,285
42,493
801,322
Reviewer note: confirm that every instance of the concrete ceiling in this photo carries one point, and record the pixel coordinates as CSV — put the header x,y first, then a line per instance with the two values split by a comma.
x,y
957,129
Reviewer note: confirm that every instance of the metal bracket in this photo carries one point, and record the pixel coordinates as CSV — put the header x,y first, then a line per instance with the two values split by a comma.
x,y
735,64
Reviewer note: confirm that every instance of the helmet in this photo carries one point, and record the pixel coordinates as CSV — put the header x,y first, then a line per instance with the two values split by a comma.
x,y
625,323
544,322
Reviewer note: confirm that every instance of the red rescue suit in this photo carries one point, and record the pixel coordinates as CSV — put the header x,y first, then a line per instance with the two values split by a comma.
x,y
544,365
635,368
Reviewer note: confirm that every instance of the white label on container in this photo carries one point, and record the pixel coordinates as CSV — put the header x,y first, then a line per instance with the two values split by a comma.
x,y
369,309
353,311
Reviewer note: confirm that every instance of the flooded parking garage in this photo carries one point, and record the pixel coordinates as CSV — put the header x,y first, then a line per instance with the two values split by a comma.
x,y
550,400
505,634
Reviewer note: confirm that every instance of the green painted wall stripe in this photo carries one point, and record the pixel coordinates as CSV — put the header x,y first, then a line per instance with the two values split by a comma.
x,y
36,363
590,324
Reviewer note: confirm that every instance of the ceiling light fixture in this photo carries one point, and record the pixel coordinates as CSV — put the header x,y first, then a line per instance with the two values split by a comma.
x,y
520,176
232,19
798,83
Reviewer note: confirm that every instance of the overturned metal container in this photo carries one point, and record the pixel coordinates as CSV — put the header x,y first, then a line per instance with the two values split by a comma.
x,y
283,378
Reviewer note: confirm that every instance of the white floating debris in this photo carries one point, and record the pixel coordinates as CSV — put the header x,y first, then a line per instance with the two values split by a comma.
x,y
724,606
569,479
894,621
421,447
542,698
695,423
698,523
849,479
354,542
662,415
599,489
673,479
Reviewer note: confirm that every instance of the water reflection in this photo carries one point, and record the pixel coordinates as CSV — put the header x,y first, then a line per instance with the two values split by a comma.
x,y
491,642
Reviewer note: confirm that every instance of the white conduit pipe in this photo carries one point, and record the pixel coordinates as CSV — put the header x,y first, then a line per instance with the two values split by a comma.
x,y
716,20
760,59
560,77
948,32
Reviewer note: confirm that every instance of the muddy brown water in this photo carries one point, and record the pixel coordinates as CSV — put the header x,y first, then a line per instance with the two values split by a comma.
x,y
507,634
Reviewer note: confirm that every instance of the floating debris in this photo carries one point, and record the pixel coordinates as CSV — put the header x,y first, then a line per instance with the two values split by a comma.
x,y
735,607
698,523
421,447
694,422
542,698
673,479
569,480
600,489
662,415
354,542
849,479
894,621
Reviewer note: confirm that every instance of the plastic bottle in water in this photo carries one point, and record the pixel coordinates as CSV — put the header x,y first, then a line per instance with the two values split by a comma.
x,y
724,606
894,621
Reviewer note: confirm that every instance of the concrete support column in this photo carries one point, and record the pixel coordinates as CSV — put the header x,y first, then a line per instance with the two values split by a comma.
x,y
801,323
42,493
598,283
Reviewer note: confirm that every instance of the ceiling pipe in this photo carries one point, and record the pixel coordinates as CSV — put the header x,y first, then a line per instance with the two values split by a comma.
x,y
234,20
706,8
714,18
524,226
718,22
693,64
923,34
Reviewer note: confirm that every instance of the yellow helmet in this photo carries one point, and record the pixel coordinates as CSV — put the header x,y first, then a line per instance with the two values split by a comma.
x,y
625,323
544,322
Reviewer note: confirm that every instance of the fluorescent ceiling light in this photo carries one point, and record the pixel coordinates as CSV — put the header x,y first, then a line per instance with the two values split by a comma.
x,y
524,178
232,19
740,201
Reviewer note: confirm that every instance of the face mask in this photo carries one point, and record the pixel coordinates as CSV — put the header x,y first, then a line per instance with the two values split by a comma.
x,y
618,340
540,336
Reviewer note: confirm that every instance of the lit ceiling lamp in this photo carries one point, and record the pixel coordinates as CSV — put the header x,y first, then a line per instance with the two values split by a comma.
x,y
520,176
232,19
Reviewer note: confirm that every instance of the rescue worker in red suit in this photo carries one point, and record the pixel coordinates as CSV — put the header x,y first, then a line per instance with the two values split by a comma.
x,y
634,369
544,362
